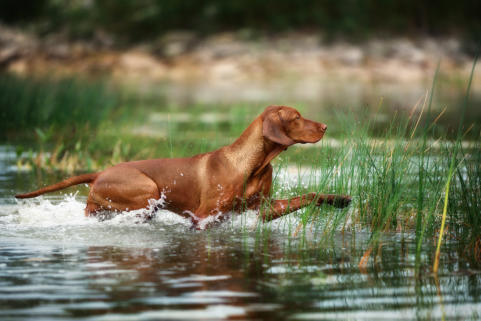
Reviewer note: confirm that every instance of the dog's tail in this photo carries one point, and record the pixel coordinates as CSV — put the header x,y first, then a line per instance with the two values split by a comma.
x,y
86,178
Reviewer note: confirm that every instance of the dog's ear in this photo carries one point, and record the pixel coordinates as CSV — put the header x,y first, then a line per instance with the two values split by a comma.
x,y
273,129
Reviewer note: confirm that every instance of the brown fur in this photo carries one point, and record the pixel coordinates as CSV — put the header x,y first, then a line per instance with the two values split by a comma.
x,y
231,178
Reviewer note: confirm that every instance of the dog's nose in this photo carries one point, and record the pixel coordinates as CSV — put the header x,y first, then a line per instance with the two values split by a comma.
x,y
323,127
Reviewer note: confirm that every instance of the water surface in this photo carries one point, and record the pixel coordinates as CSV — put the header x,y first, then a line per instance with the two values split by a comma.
x,y
56,264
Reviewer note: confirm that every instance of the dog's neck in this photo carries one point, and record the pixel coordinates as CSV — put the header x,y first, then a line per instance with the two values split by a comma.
x,y
251,152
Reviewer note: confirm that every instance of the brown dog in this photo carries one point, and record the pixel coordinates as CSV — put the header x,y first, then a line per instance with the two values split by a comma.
x,y
232,178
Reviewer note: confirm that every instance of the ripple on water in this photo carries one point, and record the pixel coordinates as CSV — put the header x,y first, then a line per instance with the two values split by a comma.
x,y
62,220
55,263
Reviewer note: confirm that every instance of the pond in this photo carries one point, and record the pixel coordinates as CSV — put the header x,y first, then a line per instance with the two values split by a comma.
x,y
56,264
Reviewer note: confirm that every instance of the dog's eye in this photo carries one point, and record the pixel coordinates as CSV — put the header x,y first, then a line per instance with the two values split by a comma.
x,y
298,116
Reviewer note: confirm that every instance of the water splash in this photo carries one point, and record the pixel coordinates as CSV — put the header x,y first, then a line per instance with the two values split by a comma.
x,y
69,211
43,212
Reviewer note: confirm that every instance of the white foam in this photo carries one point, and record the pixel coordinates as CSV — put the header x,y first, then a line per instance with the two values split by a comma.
x,y
69,210
43,212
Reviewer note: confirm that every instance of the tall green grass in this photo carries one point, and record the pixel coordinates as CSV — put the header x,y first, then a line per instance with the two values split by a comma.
x,y
28,103
398,184
397,178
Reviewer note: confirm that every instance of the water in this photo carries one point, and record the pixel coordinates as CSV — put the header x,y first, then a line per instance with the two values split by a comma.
x,y
56,264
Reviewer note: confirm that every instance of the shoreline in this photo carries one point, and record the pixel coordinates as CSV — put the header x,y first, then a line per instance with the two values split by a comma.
x,y
184,58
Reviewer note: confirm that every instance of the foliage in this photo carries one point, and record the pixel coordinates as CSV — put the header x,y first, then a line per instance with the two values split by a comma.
x,y
397,178
135,20
64,103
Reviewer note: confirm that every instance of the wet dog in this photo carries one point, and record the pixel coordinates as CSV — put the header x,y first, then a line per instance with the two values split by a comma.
x,y
233,178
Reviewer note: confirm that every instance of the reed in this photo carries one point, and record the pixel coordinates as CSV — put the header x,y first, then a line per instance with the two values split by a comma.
x,y
397,176
27,103
420,227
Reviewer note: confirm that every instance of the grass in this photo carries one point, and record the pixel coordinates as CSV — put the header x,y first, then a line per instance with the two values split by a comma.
x,y
397,178
46,103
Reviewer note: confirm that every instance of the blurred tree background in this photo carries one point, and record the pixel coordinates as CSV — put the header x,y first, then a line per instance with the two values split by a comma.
x,y
130,21
103,73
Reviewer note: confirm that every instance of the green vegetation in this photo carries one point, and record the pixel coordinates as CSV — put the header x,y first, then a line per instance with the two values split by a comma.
x,y
397,179
135,20
43,103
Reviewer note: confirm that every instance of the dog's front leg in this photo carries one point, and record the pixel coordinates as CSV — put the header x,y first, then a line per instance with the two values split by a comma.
x,y
278,208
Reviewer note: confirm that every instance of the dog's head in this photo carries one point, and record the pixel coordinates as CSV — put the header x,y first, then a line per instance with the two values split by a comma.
x,y
285,125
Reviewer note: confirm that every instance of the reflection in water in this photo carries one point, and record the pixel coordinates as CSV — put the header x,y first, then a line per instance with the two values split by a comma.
x,y
57,264
327,97
211,276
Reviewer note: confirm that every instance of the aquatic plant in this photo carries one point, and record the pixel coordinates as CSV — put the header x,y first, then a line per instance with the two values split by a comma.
x,y
397,177
52,104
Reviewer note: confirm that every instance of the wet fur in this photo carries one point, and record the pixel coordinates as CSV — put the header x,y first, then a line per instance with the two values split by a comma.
x,y
232,178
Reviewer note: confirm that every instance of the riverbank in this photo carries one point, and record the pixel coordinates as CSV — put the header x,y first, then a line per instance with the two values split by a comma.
x,y
236,58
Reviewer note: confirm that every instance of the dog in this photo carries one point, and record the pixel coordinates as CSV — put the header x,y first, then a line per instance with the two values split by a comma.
x,y
234,178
